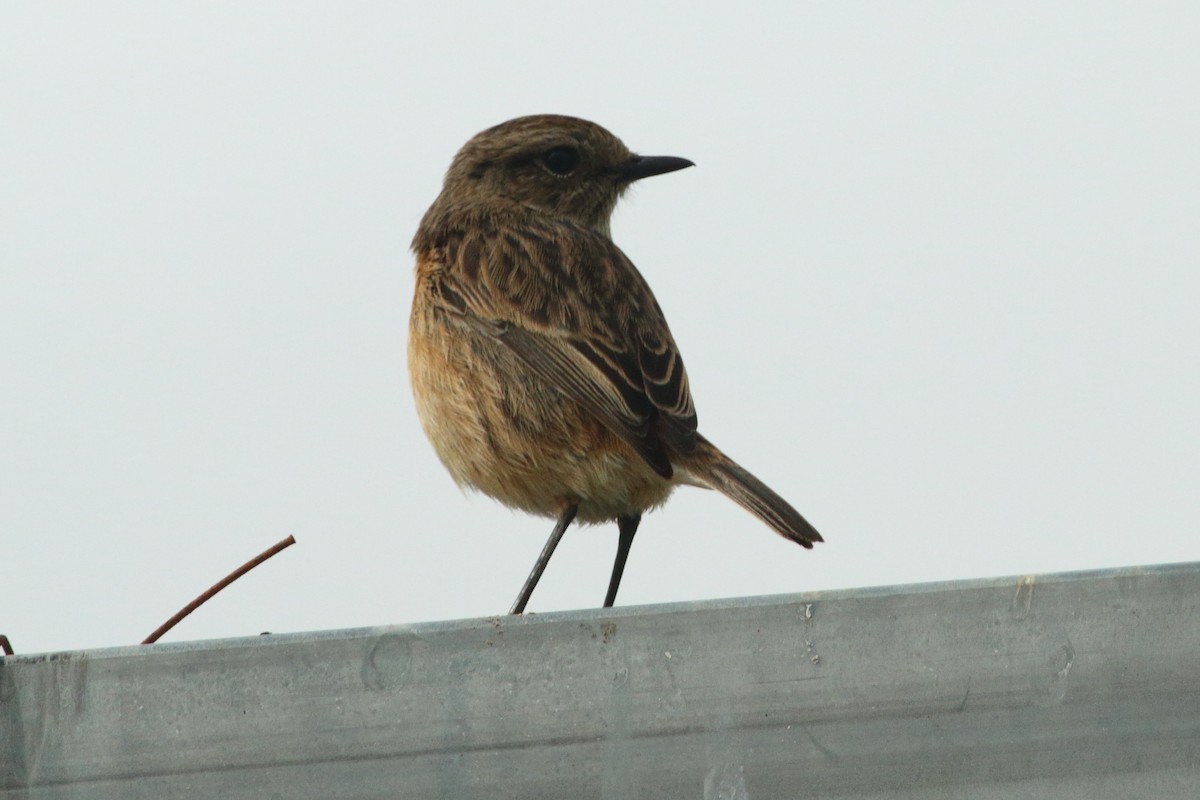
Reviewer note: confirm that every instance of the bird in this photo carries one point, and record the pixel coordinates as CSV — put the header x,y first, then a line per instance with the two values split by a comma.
x,y
541,364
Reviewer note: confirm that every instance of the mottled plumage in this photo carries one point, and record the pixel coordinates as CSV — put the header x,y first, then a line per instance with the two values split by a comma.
x,y
544,371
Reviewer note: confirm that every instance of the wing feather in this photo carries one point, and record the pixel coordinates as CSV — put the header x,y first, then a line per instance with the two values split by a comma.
x,y
572,307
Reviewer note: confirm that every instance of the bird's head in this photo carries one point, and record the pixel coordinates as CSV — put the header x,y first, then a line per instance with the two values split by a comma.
x,y
563,166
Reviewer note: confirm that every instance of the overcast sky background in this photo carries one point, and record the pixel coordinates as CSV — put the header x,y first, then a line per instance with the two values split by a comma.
x,y
935,278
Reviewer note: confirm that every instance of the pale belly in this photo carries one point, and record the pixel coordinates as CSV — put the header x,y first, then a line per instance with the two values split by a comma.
x,y
502,431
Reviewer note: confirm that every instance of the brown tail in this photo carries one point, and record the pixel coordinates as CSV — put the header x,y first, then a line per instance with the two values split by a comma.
x,y
712,468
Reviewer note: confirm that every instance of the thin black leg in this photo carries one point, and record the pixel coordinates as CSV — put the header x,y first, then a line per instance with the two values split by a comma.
x,y
539,566
628,527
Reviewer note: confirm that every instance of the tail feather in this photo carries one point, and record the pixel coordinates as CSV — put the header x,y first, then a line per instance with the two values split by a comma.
x,y
712,468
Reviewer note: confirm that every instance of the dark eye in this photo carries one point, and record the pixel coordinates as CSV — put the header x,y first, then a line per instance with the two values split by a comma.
x,y
561,160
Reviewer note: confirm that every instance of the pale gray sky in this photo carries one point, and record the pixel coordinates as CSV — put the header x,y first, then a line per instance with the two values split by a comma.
x,y
935,278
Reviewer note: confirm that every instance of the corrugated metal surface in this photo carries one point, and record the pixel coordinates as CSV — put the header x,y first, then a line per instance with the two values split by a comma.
x,y
1073,686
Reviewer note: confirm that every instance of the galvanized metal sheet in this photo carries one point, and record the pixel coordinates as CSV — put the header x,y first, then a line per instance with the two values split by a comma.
x,y
1083,685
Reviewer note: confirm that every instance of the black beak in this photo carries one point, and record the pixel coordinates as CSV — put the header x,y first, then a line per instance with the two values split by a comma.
x,y
646,166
